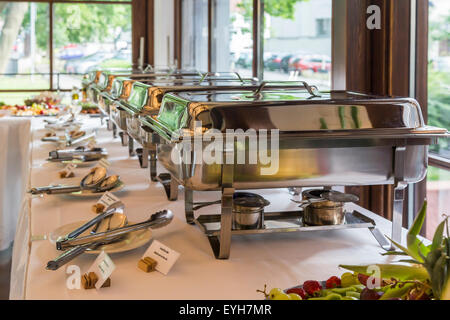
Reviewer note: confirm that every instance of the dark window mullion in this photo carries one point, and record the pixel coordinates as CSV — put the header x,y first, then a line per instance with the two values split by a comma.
x,y
50,15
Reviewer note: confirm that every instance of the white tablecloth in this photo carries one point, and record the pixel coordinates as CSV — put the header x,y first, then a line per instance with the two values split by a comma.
x,y
15,137
278,260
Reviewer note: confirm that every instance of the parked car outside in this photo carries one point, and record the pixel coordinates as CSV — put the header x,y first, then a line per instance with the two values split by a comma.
x,y
83,65
315,63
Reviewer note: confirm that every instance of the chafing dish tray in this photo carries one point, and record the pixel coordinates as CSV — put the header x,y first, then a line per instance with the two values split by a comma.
x,y
335,138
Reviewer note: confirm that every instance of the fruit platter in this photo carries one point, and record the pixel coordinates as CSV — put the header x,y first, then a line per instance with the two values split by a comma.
x,y
46,97
44,104
423,273
89,108
35,109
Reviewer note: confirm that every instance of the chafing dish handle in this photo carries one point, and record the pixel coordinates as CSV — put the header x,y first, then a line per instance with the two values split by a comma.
x,y
206,75
312,90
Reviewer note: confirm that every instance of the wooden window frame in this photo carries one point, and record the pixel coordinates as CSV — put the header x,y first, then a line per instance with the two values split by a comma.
x,y
142,26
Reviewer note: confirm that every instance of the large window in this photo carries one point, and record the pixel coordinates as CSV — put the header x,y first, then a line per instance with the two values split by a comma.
x,y
297,41
232,41
194,35
49,44
24,45
89,36
276,40
438,183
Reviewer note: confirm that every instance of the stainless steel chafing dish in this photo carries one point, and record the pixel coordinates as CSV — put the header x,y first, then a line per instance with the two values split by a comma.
x,y
136,124
119,89
145,100
326,139
104,79
126,111
89,82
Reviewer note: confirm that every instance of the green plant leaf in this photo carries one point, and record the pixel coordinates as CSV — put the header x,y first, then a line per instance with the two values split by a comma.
x,y
394,253
396,271
409,261
438,236
397,292
438,277
415,255
413,242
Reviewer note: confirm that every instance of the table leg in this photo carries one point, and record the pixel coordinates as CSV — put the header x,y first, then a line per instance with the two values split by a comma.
x,y
173,189
189,205
131,151
153,172
114,129
143,157
225,224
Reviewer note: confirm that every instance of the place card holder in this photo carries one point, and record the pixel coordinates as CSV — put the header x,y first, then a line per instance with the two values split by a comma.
x,y
89,280
147,264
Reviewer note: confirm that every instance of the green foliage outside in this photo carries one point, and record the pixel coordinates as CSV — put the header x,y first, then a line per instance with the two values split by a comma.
x,y
79,23
439,85
275,8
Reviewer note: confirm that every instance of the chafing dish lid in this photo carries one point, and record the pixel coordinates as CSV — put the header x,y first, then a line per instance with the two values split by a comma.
x,y
290,111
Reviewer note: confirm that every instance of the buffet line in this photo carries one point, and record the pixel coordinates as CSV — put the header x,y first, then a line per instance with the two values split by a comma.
x,y
326,139
319,141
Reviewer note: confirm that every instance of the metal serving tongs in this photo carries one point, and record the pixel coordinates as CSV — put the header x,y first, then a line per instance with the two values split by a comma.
x,y
96,180
119,221
71,142
157,220
78,246
81,153
116,206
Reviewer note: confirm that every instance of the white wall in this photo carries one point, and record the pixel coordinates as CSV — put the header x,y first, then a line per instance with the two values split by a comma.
x,y
164,30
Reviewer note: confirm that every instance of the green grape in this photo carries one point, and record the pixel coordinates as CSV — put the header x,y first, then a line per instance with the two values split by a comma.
x,y
274,292
282,296
294,296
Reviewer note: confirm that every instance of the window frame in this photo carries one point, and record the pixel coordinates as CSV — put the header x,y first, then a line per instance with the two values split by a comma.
x,y
141,10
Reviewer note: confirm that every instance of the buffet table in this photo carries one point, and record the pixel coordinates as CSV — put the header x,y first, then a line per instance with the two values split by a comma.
x,y
14,168
278,260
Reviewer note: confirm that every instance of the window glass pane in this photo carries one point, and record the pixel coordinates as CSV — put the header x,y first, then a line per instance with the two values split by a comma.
x,y
297,41
195,35
439,71
24,45
87,37
438,196
232,48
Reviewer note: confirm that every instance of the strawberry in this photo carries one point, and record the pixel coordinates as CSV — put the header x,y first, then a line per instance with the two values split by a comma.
x,y
363,280
298,291
311,287
333,282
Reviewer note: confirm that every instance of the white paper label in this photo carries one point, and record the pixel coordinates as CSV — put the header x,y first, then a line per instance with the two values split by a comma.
x,y
163,255
108,199
103,267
